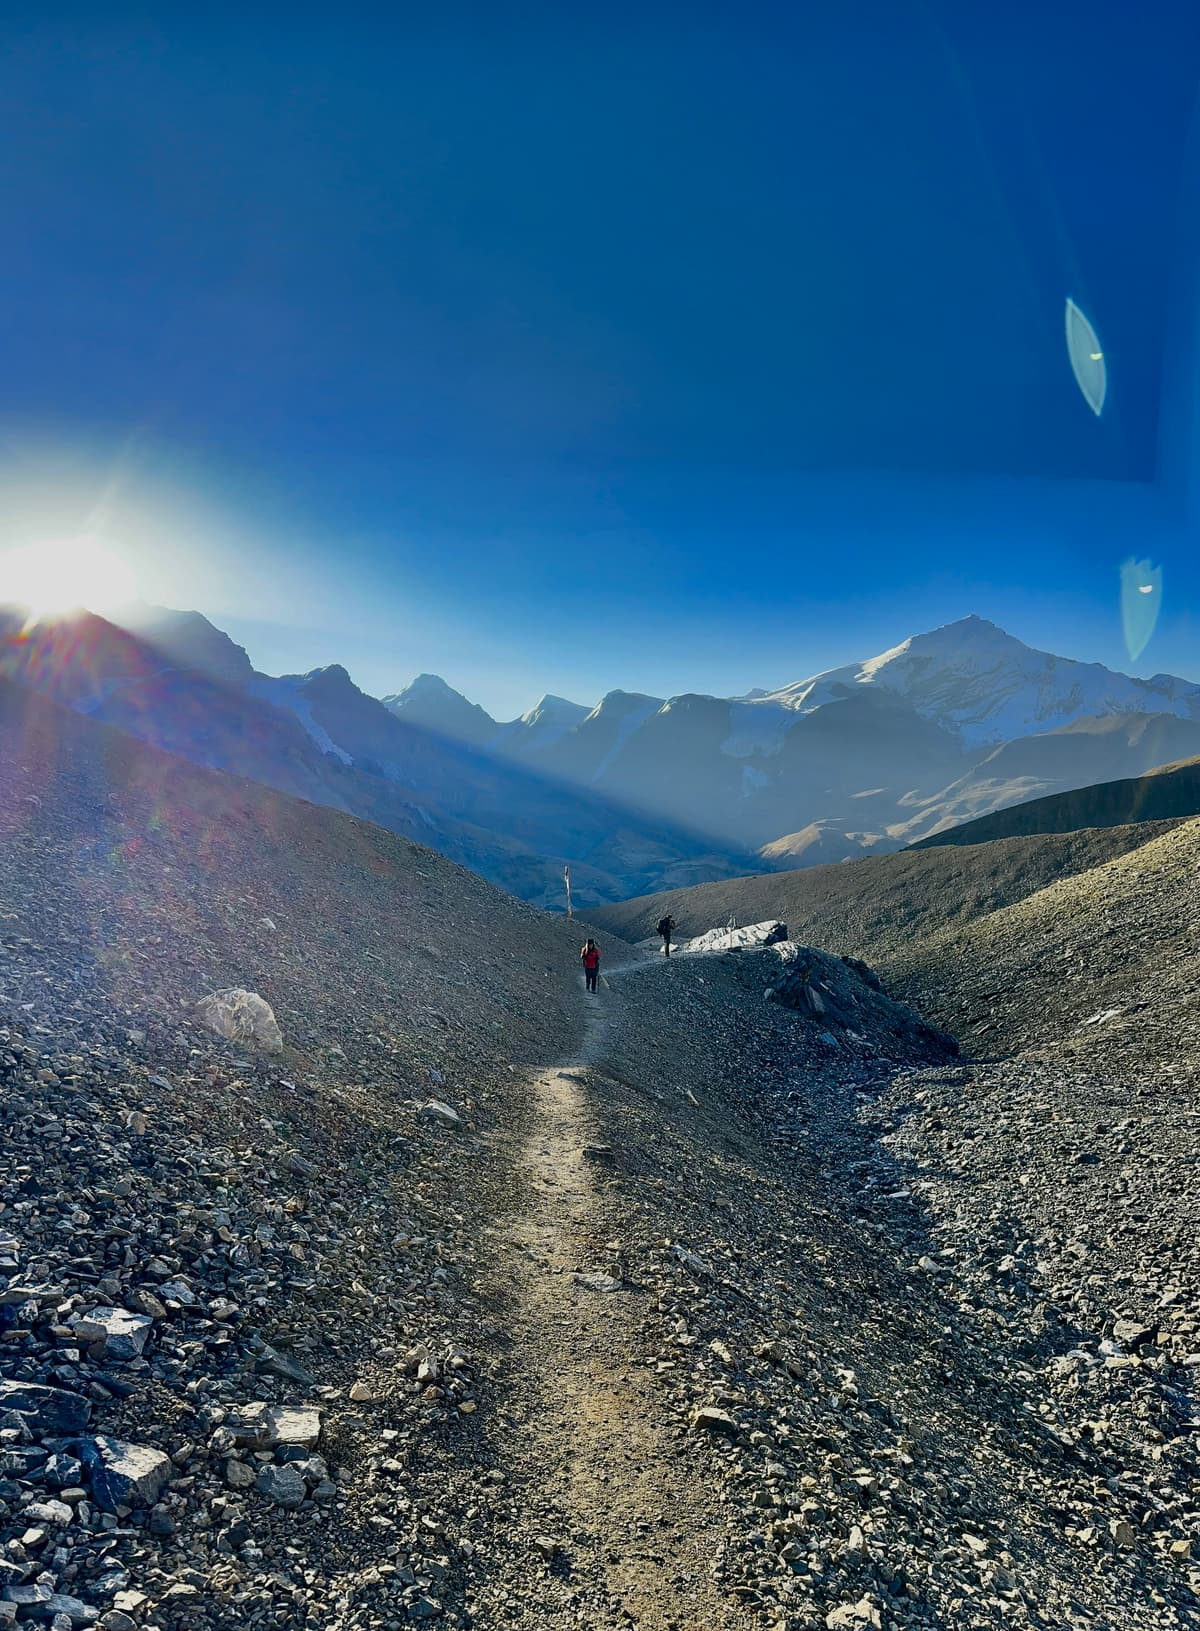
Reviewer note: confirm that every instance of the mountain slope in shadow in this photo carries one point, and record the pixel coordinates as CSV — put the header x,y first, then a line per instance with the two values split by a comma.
x,y
319,737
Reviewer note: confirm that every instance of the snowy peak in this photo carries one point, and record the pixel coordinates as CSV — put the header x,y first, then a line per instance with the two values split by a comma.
x,y
332,680
623,704
973,678
435,706
555,710
547,722
427,686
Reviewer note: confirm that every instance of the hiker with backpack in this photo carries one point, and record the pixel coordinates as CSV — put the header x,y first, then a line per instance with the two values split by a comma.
x,y
666,926
590,958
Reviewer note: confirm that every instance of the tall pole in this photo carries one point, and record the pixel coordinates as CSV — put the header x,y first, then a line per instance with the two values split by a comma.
x,y
567,881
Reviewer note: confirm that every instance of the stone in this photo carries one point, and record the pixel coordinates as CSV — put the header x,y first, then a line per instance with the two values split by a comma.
x,y
438,1110
30,1596
284,1485
272,1363
145,1302
262,1426
51,1409
243,1017
61,1471
117,1620
71,1609
598,1281
854,1616
1132,1333
294,1424
123,1474
708,1419
178,1291
114,1332
237,1474
49,1512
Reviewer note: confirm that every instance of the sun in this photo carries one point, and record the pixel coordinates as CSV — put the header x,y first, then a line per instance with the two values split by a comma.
x,y
51,579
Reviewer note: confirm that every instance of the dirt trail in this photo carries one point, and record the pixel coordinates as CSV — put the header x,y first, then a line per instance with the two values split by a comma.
x,y
637,1536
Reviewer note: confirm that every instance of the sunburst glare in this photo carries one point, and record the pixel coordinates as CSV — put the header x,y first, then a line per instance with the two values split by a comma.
x,y
51,579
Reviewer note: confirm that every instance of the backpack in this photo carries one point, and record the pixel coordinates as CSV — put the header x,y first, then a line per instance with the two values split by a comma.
x,y
665,925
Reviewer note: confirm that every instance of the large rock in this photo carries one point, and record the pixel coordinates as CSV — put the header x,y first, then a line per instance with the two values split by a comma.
x,y
242,1016
770,933
52,1409
113,1332
123,1474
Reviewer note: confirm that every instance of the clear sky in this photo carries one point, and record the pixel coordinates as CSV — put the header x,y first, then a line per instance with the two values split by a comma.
x,y
564,348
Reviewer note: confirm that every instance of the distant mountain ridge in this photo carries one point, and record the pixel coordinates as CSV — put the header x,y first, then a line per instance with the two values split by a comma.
x,y
639,791
861,759
972,677
318,737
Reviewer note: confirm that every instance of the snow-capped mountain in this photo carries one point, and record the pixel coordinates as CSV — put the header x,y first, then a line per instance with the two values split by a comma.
x,y
876,753
428,701
547,722
973,678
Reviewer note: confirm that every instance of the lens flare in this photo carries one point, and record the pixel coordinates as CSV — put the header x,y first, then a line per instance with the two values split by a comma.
x,y
1087,358
70,574
1141,597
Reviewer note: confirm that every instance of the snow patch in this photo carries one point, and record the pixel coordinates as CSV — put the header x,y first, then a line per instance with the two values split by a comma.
x,y
285,693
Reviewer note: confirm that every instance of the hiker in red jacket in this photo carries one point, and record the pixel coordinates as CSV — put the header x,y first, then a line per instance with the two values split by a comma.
x,y
590,958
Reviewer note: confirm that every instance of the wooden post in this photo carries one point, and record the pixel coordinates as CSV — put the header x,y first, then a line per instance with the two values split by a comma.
x,y
567,881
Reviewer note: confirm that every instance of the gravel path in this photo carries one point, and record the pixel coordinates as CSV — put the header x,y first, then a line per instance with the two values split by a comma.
x,y
624,1535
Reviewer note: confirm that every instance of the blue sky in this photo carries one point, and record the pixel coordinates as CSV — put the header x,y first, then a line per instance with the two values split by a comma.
x,y
567,348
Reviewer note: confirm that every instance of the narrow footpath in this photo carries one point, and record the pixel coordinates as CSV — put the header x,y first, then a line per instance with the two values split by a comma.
x,y
629,1538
